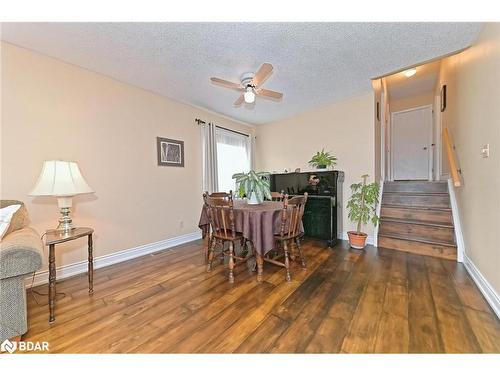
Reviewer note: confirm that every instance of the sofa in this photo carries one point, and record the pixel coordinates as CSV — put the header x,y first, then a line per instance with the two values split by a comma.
x,y
21,252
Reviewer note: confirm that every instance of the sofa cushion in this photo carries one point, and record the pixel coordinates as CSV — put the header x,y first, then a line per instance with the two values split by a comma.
x,y
20,253
6,215
20,219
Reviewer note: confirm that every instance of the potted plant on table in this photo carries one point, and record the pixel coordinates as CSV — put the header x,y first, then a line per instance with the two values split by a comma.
x,y
322,160
362,208
253,185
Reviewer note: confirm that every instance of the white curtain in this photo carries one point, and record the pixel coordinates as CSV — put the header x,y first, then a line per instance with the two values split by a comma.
x,y
233,156
209,151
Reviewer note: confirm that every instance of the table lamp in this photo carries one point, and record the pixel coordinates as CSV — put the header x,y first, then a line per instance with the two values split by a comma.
x,y
63,180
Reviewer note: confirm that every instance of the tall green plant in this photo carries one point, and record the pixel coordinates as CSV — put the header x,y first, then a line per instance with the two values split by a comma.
x,y
256,182
321,158
363,203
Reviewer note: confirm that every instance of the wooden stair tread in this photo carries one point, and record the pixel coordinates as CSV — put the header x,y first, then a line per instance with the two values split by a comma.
x,y
416,222
415,182
413,193
418,239
416,217
420,248
404,206
422,187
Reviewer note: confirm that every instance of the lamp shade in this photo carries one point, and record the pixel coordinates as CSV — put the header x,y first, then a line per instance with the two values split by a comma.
x,y
61,179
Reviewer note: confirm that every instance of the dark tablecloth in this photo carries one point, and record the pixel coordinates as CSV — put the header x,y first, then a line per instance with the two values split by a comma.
x,y
258,223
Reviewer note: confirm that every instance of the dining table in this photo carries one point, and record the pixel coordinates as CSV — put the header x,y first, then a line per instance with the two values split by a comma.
x,y
258,223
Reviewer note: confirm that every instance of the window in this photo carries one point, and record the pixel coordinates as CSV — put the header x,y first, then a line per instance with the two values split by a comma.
x,y
233,156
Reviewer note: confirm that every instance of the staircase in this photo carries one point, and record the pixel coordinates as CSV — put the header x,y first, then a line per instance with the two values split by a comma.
x,y
416,217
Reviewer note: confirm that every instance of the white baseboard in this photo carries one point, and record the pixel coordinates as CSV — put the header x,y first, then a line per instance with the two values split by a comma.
x,y
117,257
459,238
484,286
370,240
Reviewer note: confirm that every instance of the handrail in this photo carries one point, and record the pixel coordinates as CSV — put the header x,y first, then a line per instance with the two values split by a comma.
x,y
452,160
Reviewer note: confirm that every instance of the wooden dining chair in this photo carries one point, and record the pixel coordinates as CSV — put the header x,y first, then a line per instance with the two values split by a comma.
x,y
291,219
277,196
221,218
221,194
218,194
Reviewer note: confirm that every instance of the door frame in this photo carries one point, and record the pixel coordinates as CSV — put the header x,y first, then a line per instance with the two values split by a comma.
x,y
383,132
430,150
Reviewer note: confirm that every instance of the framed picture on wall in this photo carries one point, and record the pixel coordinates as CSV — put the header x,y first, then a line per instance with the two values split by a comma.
x,y
170,152
443,98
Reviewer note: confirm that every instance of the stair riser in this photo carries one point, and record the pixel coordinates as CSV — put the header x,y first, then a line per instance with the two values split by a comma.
x,y
416,214
439,251
437,201
428,232
416,187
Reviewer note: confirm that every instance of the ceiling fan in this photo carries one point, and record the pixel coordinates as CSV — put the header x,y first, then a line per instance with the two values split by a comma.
x,y
250,85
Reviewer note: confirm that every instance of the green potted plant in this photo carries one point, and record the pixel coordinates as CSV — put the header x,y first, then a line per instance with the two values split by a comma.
x,y
322,160
253,185
362,207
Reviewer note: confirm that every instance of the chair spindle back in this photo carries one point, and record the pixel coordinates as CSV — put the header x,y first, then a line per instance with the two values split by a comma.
x,y
277,196
291,215
220,214
221,194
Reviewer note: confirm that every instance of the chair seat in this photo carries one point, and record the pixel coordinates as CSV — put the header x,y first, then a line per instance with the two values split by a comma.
x,y
227,235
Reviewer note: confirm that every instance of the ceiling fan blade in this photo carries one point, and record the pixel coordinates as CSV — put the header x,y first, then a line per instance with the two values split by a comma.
x,y
270,94
262,74
239,101
228,84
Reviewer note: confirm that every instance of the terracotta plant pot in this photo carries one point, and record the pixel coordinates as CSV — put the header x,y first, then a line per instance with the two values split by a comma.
x,y
357,240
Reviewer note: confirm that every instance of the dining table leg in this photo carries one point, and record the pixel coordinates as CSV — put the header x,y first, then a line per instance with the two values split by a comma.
x,y
260,266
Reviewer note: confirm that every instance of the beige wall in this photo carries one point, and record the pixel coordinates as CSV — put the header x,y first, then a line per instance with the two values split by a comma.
x,y
473,117
345,128
412,102
53,110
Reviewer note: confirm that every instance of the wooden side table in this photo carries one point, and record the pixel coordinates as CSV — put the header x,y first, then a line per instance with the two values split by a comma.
x,y
53,237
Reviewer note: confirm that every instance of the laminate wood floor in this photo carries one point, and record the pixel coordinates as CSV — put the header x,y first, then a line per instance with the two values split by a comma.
x,y
373,301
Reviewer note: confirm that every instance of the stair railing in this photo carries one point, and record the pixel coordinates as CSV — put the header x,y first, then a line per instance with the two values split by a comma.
x,y
452,158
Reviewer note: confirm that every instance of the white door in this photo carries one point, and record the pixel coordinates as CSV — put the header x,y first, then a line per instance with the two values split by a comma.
x,y
411,144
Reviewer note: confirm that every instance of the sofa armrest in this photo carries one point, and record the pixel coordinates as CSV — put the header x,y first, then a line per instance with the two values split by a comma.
x,y
20,253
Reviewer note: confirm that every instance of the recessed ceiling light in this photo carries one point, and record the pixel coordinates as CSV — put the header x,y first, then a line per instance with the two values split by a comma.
x,y
410,72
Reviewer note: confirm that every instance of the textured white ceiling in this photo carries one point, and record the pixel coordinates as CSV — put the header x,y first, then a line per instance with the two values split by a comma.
x,y
423,82
314,63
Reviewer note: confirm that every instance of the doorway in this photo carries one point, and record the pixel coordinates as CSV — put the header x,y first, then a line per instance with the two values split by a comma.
x,y
411,144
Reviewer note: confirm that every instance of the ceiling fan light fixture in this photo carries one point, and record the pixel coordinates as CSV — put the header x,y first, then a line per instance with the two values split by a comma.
x,y
249,95
410,72
250,86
